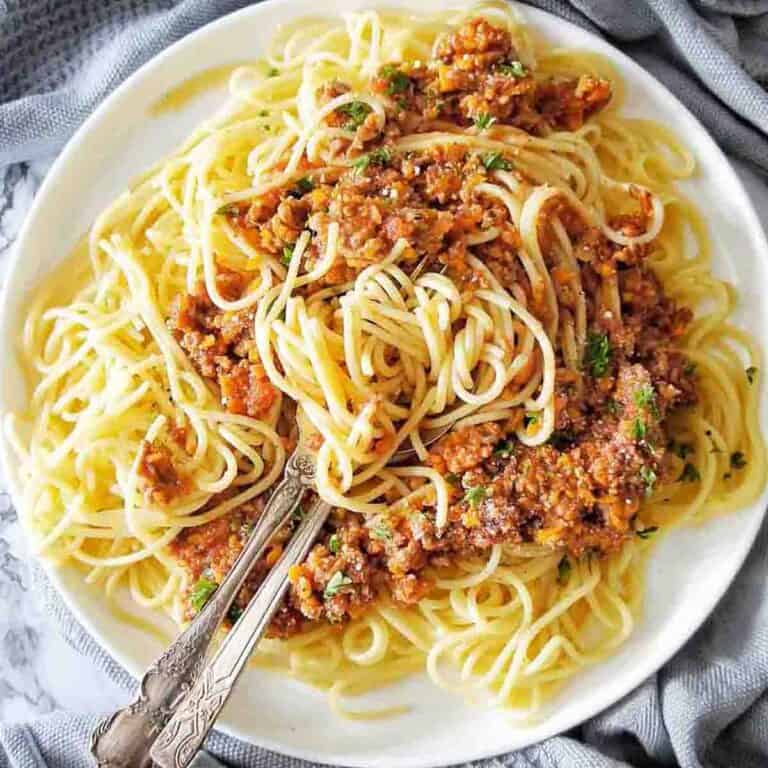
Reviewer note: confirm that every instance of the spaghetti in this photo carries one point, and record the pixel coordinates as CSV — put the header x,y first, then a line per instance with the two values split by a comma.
x,y
400,223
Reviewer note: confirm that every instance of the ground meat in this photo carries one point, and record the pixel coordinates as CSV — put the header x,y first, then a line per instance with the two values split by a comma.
x,y
246,389
221,346
427,198
161,481
579,492
566,104
465,449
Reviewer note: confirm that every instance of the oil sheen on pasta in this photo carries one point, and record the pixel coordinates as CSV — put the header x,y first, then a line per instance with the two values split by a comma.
x,y
564,316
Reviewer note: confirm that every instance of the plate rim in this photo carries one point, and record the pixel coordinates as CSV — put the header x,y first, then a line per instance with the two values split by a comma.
x,y
610,693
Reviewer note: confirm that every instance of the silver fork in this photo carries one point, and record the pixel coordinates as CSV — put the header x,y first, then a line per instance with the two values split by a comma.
x,y
185,732
124,739
183,736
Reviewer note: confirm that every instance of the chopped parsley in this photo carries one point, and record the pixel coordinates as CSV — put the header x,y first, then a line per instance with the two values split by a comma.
x,y
202,593
503,448
334,544
234,612
645,398
646,533
564,569
639,430
689,474
264,113
382,533
751,374
273,72
337,582
398,82
380,156
530,419
287,255
513,69
738,461
649,477
304,185
476,495
452,478
597,355
483,121
612,407
356,111
494,161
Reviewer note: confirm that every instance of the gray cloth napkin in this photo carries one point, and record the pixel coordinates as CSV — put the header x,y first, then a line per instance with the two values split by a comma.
x,y
708,707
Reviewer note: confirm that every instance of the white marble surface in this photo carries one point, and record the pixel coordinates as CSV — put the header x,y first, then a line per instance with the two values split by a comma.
x,y
39,672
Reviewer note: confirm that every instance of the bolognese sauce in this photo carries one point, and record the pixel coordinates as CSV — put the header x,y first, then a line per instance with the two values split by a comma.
x,y
578,493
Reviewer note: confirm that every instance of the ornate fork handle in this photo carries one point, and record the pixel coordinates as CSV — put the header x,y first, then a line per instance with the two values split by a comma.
x,y
184,734
123,739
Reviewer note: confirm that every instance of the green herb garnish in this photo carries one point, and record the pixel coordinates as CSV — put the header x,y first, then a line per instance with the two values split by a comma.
x,y
399,82
597,355
476,495
564,568
356,111
530,419
494,161
287,255
503,448
380,156
334,544
751,374
273,72
382,532
689,474
264,113
645,398
513,69
229,209
337,582
484,121
202,593
649,477
304,185
690,368
234,613
738,461
646,533
452,478
639,429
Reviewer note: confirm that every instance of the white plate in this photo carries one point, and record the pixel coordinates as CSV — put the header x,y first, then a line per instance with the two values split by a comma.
x,y
690,569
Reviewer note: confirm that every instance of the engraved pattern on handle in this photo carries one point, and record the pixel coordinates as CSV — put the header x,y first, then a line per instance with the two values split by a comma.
x,y
184,734
124,738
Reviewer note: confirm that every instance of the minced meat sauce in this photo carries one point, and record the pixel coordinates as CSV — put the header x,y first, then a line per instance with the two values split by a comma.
x,y
578,493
